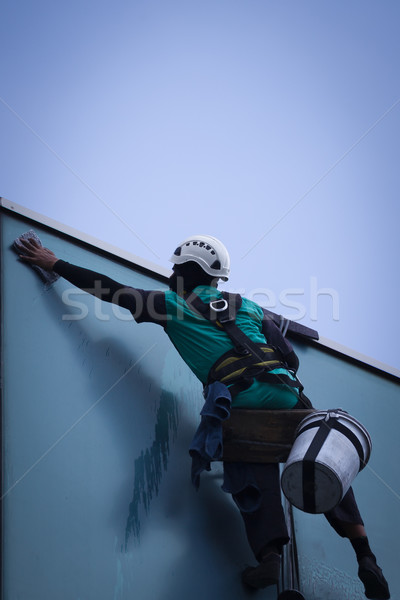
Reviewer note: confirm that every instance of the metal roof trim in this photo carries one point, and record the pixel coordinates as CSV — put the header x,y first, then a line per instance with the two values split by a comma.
x,y
159,271
357,356
83,237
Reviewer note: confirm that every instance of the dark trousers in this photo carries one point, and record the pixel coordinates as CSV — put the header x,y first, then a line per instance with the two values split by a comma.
x,y
267,523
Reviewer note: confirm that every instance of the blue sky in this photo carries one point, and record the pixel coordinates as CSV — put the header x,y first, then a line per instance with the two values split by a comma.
x,y
273,125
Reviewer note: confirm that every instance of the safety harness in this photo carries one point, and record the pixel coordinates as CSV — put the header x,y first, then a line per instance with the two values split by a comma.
x,y
247,360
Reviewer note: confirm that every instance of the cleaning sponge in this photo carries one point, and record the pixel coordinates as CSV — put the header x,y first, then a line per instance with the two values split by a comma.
x,y
47,276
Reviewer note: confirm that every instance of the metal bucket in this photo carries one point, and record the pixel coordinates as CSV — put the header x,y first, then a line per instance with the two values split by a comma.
x,y
329,450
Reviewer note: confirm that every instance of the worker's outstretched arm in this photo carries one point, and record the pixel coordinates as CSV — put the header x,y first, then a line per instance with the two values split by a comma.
x,y
98,285
89,281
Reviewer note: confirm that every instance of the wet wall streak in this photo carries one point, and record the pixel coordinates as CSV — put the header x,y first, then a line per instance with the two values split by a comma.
x,y
151,462
319,580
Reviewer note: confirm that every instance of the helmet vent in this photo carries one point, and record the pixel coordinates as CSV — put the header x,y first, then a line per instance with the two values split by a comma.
x,y
216,264
178,251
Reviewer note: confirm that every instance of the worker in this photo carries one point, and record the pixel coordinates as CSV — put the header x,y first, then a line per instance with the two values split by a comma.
x,y
198,264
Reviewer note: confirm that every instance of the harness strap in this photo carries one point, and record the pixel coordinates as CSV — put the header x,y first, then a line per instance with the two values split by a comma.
x,y
248,360
222,313
231,365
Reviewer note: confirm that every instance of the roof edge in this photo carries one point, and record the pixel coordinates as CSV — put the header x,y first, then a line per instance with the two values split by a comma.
x,y
356,356
324,343
84,237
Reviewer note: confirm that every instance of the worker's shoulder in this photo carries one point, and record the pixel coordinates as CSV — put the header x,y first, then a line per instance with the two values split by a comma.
x,y
251,307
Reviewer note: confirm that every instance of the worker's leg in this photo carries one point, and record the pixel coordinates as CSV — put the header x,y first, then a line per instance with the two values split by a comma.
x,y
264,521
347,522
345,513
258,497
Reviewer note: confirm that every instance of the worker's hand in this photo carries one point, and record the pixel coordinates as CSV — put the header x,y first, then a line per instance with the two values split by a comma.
x,y
38,255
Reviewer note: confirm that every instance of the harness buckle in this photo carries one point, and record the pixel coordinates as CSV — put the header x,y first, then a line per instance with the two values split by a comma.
x,y
214,305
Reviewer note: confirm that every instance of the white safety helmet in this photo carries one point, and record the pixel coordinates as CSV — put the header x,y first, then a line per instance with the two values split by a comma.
x,y
206,251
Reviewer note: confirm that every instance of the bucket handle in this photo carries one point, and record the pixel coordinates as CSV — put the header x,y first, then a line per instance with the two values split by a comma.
x,y
332,422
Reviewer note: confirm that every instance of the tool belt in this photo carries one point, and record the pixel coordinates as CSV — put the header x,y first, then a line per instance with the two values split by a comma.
x,y
247,360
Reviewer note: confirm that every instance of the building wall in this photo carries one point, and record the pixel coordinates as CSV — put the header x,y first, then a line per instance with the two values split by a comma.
x,y
98,413
97,416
